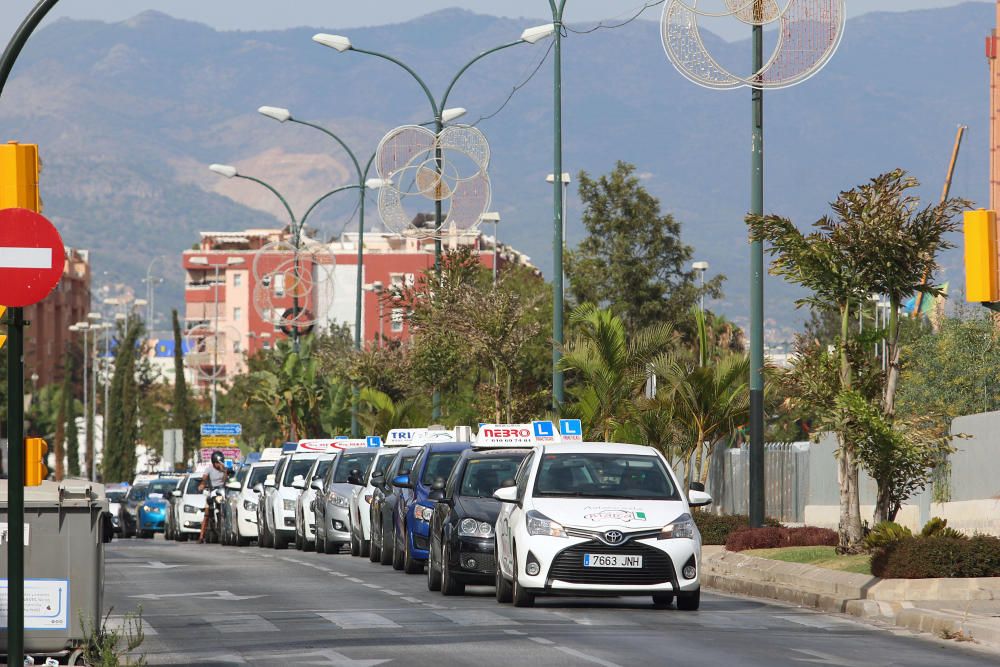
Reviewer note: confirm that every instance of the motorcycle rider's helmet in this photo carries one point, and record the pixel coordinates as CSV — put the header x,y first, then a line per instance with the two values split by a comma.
x,y
218,457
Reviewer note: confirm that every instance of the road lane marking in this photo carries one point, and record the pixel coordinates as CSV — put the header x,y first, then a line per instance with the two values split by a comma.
x,y
234,623
352,620
389,591
356,580
371,585
542,641
475,617
413,600
513,632
584,656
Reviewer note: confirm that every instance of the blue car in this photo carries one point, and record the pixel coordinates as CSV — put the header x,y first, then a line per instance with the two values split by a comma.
x,y
152,512
414,508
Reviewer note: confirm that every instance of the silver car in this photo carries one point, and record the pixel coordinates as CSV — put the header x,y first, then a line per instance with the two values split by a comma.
x,y
333,498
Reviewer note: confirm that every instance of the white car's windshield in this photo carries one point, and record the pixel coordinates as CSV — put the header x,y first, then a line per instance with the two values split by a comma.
x,y
383,464
626,476
484,476
258,475
297,468
192,486
349,461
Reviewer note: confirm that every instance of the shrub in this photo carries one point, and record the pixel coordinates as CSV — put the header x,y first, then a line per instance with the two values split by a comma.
x,y
933,557
938,527
716,528
776,537
886,534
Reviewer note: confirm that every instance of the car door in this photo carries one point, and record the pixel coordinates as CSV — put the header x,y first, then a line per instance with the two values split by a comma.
x,y
405,496
510,513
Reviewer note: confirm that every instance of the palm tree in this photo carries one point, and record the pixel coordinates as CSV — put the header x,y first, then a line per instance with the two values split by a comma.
x,y
611,366
380,414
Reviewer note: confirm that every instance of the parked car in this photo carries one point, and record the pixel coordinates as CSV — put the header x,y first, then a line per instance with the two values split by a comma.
x,y
384,499
242,500
333,496
189,508
151,514
279,492
128,512
361,501
305,515
116,496
461,530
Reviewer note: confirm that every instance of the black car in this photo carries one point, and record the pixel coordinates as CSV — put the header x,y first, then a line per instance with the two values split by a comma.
x,y
384,499
462,549
128,511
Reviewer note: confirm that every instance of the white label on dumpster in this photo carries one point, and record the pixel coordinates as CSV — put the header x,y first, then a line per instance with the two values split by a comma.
x,y
46,603
3,533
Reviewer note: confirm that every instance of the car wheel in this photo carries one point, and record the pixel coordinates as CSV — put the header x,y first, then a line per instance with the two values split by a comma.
x,y
279,541
147,535
330,547
182,537
663,599
521,597
410,564
689,601
355,548
298,540
505,592
433,574
267,540
374,550
242,541
307,544
449,585
397,549
386,548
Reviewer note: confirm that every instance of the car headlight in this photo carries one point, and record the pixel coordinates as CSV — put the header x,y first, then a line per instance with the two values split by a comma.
x,y
191,509
473,528
682,527
289,505
249,506
423,513
147,508
539,524
339,500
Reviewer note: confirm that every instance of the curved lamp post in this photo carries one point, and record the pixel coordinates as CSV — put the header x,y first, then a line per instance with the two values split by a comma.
x,y
441,113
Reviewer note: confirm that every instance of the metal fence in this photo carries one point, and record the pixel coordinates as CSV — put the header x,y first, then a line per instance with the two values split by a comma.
x,y
786,475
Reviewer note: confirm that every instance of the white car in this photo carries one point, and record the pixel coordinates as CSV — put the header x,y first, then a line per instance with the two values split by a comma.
x,y
276,512
305,517
598,518
361,500
243,501
188,507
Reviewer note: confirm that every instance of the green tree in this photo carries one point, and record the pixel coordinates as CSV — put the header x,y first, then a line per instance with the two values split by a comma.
x,y
611,369
184,415
632,260
123,429
379,413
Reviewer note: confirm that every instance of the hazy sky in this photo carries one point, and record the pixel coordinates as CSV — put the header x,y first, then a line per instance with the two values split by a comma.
x,y
263,14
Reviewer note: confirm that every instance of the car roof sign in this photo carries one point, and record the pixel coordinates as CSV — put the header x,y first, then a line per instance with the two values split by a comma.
x,y
571,430
401,437
270,454
506,435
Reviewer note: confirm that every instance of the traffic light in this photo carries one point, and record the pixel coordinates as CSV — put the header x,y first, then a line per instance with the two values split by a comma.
x,y
35,452
981,281
19,170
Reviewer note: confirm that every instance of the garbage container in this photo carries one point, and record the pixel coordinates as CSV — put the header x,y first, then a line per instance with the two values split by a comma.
x,y
66,526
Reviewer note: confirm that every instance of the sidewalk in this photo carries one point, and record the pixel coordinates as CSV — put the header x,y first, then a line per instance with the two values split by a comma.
x,y
947,608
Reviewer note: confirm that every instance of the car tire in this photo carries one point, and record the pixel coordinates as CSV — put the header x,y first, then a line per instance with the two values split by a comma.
x,y
298,541
505,592
364,547
663,600
279,542
374,552
385,551
355,547
449,585
309,545
433,575
329,547
182,537
689,601
242,541
519,596
146,535
410,564
397,549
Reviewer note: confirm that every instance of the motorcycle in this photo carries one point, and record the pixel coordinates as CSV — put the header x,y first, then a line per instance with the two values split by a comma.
x,y
213,507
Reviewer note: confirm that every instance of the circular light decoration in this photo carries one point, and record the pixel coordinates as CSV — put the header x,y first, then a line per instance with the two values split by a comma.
x,y
808,34
295,284
206,348
422,168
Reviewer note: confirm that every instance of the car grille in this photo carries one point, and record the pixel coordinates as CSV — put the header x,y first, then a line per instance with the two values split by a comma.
x,y
657,568
484,561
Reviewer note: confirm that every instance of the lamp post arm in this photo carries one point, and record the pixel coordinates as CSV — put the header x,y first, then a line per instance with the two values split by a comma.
x,y
21,36
329,194
333,136
447,92
276,194
410,71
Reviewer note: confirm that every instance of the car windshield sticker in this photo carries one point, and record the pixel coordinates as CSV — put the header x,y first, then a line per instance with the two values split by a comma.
x,y
614,514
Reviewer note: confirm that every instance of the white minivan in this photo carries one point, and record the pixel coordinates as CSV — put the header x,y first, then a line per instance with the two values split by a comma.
x,y
598,519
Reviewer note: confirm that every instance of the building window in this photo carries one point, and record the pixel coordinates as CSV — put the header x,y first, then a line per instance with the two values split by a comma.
x,y
396,281
237,280
266,345
237,348
237,314
279,284
397,320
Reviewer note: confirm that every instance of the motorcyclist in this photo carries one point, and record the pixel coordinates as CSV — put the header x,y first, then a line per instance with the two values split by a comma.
x,y
214,478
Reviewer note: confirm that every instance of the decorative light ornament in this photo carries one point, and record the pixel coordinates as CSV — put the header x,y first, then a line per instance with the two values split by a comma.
x,y
294,284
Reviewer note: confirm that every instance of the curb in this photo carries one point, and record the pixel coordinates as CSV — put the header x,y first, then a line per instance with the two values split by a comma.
x,y
859,595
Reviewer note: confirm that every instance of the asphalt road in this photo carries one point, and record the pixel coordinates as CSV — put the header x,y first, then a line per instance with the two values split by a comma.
x,y
210,605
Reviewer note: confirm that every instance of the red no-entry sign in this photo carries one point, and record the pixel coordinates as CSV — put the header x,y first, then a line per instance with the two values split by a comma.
x,y
31,257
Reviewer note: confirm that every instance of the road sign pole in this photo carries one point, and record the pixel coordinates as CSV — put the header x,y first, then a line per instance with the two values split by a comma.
x,y
15,486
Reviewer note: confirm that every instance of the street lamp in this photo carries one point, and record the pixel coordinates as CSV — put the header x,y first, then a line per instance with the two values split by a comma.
x,y
151,284
494,217
701,268
377,288
566,179
84,326
440,111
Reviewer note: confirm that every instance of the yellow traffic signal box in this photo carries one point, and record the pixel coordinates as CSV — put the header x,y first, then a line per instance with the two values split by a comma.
x,y
981,280
35,452
3,338
19,170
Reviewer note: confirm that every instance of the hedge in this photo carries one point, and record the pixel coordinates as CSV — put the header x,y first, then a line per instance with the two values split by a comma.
x,y
938,557
716,528
772,538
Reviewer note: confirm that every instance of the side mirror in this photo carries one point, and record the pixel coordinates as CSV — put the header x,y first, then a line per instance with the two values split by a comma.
x,y
402,482
697,486
233,485
698,498
317,484
176,493
269,481
258,488
355,478
507,494
436,495
298,483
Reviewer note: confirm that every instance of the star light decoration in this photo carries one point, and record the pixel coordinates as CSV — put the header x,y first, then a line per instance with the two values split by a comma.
x,y
291,282
421,168
808,34
205,349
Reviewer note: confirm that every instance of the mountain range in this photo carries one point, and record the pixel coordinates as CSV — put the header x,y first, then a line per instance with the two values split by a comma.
x,y
128,116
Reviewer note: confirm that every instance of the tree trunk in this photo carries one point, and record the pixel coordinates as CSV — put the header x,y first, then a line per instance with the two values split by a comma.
x,y
497,403
849,528
892,352
884,510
